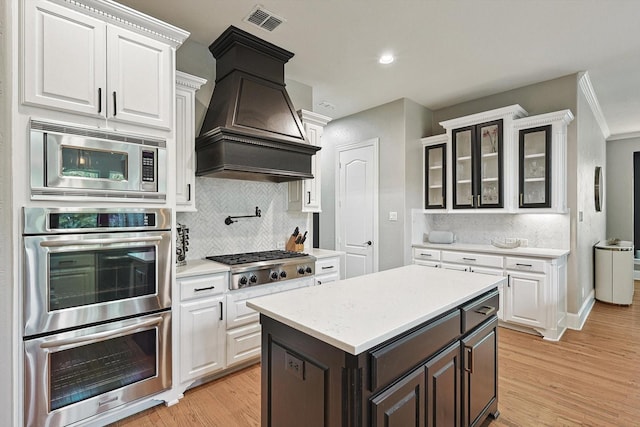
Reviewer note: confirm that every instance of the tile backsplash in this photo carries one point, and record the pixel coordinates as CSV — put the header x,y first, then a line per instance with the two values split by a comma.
x,y
218,198
541,230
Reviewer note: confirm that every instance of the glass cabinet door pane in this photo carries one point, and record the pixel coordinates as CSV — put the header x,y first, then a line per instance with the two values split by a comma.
x,y
435,178
490,148
534,167
462,150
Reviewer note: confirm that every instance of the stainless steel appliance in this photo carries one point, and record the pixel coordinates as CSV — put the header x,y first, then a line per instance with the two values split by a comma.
x,y
87,265
97,310
72,161
262,268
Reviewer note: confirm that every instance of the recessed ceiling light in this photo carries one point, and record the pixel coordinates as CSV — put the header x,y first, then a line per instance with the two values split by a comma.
x,y
387,58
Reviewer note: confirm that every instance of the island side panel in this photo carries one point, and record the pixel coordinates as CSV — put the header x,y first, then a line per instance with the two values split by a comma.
x,y
306,379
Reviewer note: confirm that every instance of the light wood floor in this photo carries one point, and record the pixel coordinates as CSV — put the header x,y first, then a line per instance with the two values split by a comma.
x,y
589,378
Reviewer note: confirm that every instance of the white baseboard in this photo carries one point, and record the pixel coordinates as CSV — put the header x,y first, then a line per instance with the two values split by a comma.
x,y
576,321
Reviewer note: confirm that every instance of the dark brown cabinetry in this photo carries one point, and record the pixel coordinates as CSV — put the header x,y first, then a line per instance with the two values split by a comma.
x,y
477,166
440,373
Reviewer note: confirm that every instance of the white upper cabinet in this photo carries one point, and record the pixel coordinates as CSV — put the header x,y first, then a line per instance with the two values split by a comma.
x,y
77,61
304,195
186,87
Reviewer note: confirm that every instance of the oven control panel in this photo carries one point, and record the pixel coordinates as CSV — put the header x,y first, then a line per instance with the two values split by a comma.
x,y
271,274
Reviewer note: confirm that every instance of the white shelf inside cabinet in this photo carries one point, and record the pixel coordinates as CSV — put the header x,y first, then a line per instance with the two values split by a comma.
x,y
186,87
489,155
559,121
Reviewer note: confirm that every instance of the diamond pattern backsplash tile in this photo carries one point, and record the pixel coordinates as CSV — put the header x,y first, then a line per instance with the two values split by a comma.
x,y
218,198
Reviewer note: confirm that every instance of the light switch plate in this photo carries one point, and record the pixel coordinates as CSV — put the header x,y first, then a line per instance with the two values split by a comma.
x,y
393,216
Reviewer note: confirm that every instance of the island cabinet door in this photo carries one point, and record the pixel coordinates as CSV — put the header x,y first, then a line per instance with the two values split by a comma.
x,y
402,405
480,374
443,388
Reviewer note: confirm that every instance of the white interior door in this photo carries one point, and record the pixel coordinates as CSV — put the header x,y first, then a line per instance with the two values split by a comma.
x,y
357,207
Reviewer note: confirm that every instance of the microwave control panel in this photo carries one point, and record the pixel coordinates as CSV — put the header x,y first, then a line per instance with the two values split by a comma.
x,y
148,166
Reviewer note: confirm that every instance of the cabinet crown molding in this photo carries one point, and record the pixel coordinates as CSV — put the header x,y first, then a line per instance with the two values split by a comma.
x,y
313,118
563,116
435,139
513,111
124,16
189,81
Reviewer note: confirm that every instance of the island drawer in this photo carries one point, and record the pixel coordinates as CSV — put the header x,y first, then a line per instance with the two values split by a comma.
x,y
526,264
426,254
479,310
392,360
471,258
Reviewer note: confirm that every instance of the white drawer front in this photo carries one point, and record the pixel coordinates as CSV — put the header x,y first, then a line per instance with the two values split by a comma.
x,y
471,258
328,265
426,254
526,264
434,264
327,278
203,286
243,344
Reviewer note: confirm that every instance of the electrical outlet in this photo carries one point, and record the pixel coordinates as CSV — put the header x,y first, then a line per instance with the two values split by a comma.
x,y
509,240
294,365
280,245
393,216
524,243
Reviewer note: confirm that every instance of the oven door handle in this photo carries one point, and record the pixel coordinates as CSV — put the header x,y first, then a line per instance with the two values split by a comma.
x,y
58,243
100,336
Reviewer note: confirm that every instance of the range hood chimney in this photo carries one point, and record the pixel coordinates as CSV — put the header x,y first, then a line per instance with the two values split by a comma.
x,y
251,130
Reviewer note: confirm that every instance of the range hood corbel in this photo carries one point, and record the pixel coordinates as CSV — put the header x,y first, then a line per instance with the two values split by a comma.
x,y
251,130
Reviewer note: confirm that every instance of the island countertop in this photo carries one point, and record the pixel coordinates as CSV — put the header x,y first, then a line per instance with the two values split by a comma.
x,y
357,314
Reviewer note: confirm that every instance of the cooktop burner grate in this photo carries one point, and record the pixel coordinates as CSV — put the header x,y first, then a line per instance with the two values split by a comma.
x,y
249,257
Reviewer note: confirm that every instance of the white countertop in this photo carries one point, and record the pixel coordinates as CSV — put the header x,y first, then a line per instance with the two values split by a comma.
x,y
200,266
357,314
322,253
537,252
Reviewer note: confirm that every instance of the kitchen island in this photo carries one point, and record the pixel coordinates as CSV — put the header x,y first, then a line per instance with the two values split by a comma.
x,y
408,346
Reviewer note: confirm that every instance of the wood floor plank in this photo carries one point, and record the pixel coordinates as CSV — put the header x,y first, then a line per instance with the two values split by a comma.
x,y
589,378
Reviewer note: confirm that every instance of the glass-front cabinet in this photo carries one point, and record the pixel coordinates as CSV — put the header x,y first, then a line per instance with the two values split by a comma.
x,y
435,168
477,166
535,167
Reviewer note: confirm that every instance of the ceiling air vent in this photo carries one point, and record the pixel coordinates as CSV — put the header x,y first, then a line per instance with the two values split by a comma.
x,y
264,19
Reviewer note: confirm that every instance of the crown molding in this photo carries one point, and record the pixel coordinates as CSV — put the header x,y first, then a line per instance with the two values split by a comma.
x,y
435,139
123,16
563,116
313,118
584,83
512,111
623,136
187,80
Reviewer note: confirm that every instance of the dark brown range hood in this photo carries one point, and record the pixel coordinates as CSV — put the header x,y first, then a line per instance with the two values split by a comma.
x,y
251,130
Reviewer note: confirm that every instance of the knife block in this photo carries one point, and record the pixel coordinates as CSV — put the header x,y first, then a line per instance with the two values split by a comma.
x,y
291,244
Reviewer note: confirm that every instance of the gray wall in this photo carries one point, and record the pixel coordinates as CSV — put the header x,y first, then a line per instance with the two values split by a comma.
x,y
398,124
618,193
591,152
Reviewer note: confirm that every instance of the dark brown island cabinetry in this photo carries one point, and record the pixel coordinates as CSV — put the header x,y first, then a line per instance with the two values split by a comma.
x,y
440,373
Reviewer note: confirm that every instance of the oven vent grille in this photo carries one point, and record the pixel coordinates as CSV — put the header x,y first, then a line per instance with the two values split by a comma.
x,y
264,19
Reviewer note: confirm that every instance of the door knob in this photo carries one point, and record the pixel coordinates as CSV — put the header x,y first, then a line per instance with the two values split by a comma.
x,y
368,243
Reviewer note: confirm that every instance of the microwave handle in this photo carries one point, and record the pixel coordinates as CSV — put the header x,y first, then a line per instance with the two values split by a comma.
x,y
100,336
58,243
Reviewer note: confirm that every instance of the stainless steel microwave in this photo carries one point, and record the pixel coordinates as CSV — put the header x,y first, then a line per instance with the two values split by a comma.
x,y
71,161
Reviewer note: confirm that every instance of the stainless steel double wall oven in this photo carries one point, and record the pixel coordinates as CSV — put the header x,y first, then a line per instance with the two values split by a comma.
x,y
97,310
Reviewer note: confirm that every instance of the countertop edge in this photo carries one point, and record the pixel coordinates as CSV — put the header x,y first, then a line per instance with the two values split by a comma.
x,y
526,251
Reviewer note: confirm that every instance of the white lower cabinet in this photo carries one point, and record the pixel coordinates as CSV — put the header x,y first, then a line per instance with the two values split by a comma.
x,y
202,326
243,343
534,296
327,270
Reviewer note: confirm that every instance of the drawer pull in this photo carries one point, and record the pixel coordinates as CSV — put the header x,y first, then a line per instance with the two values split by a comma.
x,y
423,254
486,310
524,265
204,289
327,267
469,259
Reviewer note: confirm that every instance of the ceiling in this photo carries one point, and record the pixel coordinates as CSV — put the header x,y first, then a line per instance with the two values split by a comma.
x,y
446,51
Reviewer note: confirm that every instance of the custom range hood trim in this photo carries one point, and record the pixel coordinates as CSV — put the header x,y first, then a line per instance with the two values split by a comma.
x,y
251,130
